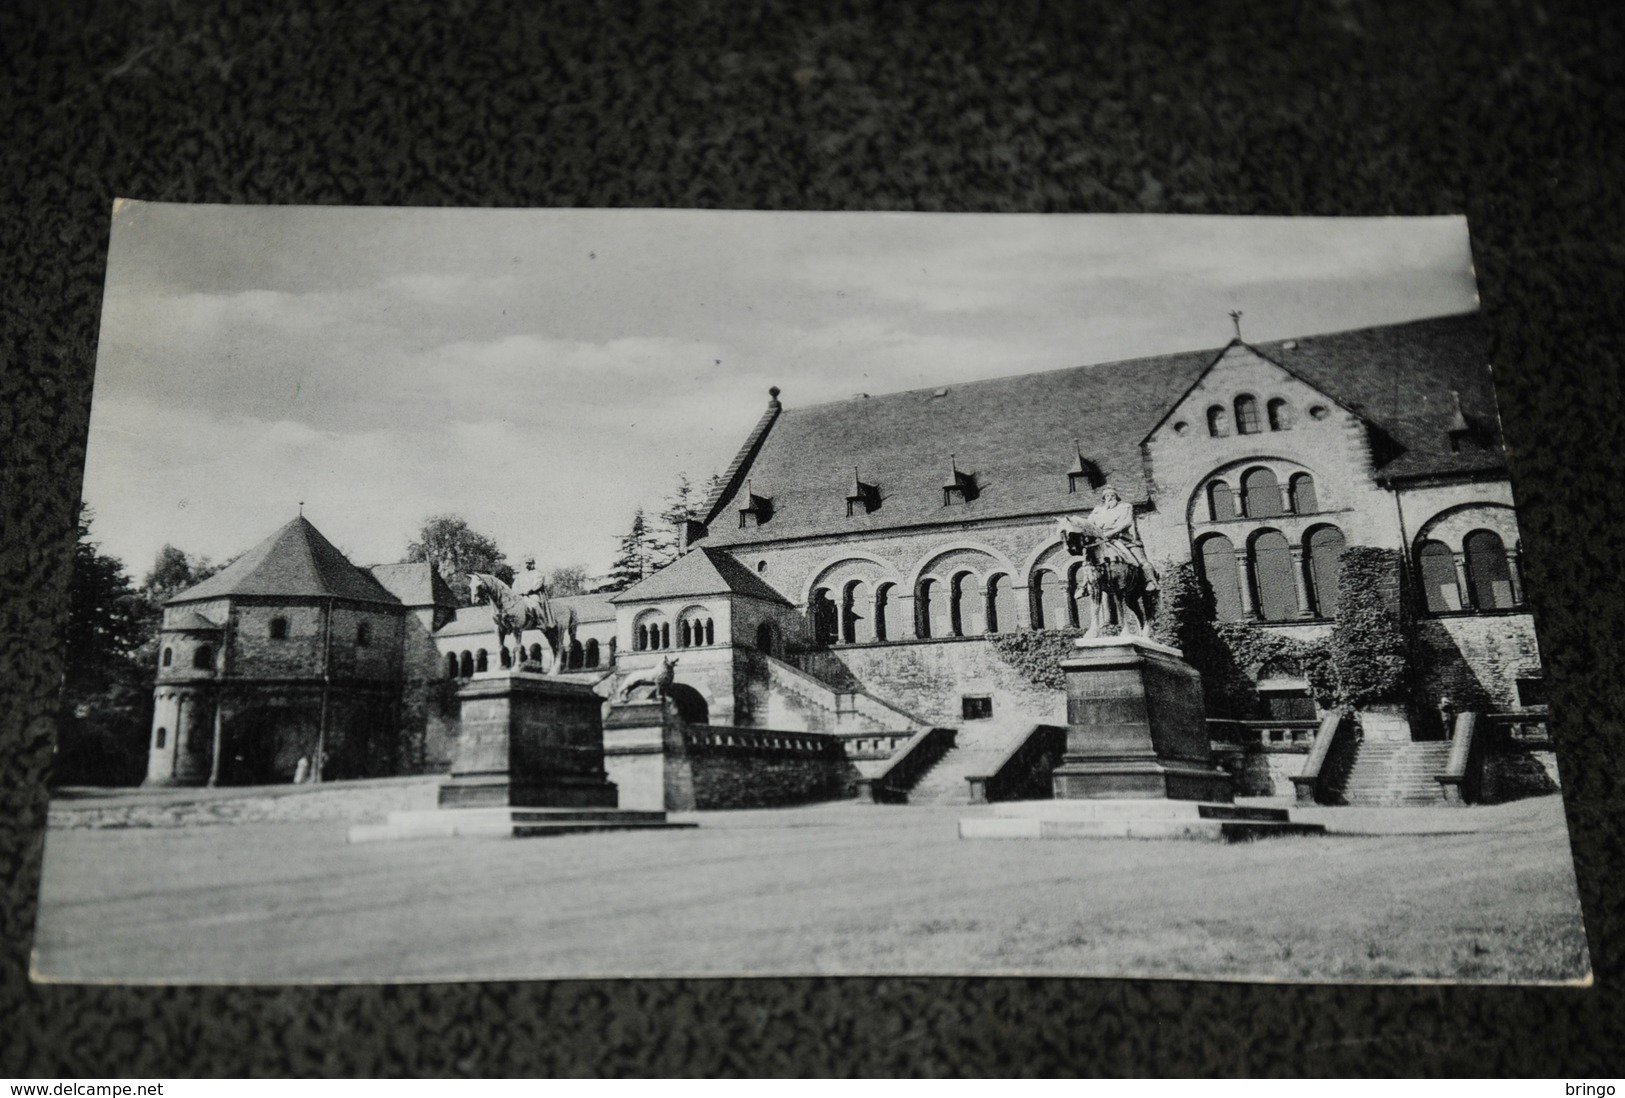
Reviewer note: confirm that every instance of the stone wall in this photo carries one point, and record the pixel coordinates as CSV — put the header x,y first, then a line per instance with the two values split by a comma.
x,y
928,678
1475,660
639,776
709,767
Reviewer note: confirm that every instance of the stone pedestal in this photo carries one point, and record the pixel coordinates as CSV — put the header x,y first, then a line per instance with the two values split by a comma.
x,y
1136,728
528,741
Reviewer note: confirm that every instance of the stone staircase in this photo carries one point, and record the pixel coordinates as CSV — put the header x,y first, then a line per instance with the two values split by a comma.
x,y
1399,772
979,746
833,710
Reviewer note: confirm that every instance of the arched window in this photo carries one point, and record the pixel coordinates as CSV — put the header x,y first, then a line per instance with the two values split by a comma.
x,y
962,616
504,657
1221,502
363,635
203,658
160,737
1260,494
577,655
1324,545
1272,573
665,634
825,617
466,663
1247,422
169,656
481,663
1487,571
887,608
1281,415
710,631
1440,588
451,665
1218,557
536,652
590,657
927,607
1218,421
684,640
854,600
1302,490
1048,601
1001,605
279,628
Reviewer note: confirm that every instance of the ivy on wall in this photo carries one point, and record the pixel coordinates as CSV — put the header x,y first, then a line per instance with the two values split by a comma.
x,y
1362,663
1368,648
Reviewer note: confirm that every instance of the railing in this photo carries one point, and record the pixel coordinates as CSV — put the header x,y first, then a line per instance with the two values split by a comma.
x,y
1024,772
1274,736
868,746
1307,783
1460,781
923,751
1475,736
1521,729
728,737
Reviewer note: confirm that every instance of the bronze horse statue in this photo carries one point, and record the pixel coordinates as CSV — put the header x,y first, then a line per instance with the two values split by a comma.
x,y
513,614
1115,587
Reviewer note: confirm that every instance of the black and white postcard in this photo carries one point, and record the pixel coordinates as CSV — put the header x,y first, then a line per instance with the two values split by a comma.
x,y
532,594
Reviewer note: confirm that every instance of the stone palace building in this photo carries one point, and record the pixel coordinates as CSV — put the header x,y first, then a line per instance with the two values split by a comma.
x,y
857,556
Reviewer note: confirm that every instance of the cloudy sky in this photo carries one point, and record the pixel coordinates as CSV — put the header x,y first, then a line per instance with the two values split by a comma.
x,y
545,372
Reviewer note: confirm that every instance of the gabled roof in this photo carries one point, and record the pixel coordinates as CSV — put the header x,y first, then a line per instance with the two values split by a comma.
x,y
191,622
415,583
1016,434
295,562
701,571
471,620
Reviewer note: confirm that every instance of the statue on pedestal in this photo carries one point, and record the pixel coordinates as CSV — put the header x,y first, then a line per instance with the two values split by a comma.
x,y
513,611
1117,578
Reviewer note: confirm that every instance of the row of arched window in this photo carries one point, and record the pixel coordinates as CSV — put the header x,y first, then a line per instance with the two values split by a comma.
x,y
578,657
1271,578
653,632
1262,496
1485,575
1249,419
960,605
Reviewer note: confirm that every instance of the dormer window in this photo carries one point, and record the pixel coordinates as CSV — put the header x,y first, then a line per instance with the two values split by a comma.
x,y
863,496
1084,473
755,511
961,486
1461,431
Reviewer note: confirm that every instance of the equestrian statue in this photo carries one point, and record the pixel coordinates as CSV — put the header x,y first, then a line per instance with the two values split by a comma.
x,y
1116,577
526,606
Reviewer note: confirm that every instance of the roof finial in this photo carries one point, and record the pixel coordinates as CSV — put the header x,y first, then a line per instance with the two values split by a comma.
x,y
301,508
773,393
1235,318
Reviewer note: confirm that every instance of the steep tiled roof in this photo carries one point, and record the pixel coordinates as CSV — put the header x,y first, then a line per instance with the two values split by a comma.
x,y
1016,434
700,571
191,622
296,561
470,620
416,583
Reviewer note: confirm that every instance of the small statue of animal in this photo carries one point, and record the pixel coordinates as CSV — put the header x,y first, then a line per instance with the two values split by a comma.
x,y
661,679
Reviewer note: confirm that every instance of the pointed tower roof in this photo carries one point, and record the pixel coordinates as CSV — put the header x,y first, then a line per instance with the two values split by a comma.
x,y
296,561
702,571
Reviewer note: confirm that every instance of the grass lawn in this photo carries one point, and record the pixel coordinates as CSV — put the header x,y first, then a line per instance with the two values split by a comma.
x,y
1480,894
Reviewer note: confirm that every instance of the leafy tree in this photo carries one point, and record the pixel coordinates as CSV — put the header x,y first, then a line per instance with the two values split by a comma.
x,y
635,558
567,579
173,572
106,689
456,550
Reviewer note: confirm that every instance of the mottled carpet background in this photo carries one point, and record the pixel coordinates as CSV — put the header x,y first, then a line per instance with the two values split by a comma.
x,y
1511,112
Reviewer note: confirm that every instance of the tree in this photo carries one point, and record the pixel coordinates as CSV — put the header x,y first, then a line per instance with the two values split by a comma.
x,y
173,572
106,688
456,550
685,504
635,558
567,579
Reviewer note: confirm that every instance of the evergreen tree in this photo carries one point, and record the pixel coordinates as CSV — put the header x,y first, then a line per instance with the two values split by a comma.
x,y
635,558
107,689
682,505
